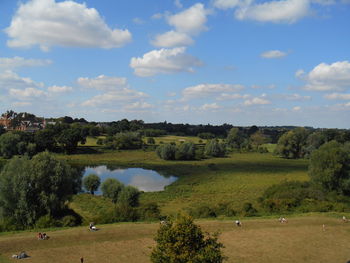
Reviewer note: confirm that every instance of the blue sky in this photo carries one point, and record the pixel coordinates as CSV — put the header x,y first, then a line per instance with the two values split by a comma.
x,y
244,62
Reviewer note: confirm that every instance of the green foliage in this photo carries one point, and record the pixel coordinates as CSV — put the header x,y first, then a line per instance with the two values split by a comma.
x,y
47,221
69,221
215,149
202,211
125,213
249,210
153,132
235,139
129,195
69,139
206,135
30,189
91,183
111,188
8,143
293,143
330,167
166,151
149,211
151,140
183,241
186,151
45,139
125,141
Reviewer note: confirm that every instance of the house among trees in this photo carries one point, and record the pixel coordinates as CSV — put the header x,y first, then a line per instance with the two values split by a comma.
x,y
23,121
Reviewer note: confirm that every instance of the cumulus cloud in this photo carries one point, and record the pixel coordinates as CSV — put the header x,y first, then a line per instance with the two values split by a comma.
x,y
234,96
164,61
138,106
49,23
59,89
338,96
295,97
273,54
186,23
327,77
296,108
256,101
18,62
124,95
204,90
9,79
212,106
226,4
191,20
103,82
283,11
27,93
178,4
172,39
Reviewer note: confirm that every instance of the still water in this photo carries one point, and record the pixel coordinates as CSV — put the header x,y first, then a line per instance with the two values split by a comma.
x,y
142,179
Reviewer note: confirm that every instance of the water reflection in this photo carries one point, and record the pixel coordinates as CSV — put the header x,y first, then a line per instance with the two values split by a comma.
x,y
144,180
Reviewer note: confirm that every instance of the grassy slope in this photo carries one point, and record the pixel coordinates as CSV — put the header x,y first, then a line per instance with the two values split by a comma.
x,y
259,240
238,178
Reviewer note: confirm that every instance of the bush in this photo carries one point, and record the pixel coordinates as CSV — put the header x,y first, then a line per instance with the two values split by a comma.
x,y
125,213
215,149
69,221
202,211
183,241
166,151
111,188
129,196
46,222
149,211
151,140
249,210
185,151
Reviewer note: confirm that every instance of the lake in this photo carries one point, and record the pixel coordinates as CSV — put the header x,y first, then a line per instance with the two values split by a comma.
x,y
142,179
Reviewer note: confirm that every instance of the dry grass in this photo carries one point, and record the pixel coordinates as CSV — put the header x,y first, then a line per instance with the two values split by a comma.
x,y
259,240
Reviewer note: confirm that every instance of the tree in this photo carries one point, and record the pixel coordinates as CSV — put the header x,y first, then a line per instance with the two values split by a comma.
x,y
45,139
215,149
2,129
91,183
111,188
166,151
183,242
257,139
235,138
151,140
69,139
129,196
330,167
30,189
292,144
185,151
8,144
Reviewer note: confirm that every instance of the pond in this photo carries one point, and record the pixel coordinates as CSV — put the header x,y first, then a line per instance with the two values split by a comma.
x,y
142,179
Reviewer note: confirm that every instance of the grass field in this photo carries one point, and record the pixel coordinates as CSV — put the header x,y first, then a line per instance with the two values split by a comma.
x,y
302,239
236,179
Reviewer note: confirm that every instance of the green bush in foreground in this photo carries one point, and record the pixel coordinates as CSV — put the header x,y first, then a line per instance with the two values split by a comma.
x,y
183,241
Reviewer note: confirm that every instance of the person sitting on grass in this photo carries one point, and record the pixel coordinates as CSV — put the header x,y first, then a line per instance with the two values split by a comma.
x,y
238,223
92,227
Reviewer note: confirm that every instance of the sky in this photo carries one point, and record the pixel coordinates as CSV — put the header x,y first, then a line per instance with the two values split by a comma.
x,y
242,62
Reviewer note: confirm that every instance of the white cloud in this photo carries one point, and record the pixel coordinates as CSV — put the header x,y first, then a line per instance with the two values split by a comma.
x,y
191,20
203,90
103,82
338,96
49,23
327,77
226,4
164,61
9,79
124,95
256,101
228,96
18,62
59,89
21,104
27,93
172,39
178,4
212,106
273,54
138,105
296,108
296,97
157,16
138,21
283,11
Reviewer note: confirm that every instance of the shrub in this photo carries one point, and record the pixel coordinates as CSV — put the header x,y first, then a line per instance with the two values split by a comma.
x,y
248,210
166,152
202,211
185,151
129,196
46,222
183,241
111,188
215,149
69,221
125,213
151,140
149,211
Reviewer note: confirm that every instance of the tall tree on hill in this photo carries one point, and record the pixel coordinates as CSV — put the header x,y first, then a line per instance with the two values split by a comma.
x,y
292,144
91,183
